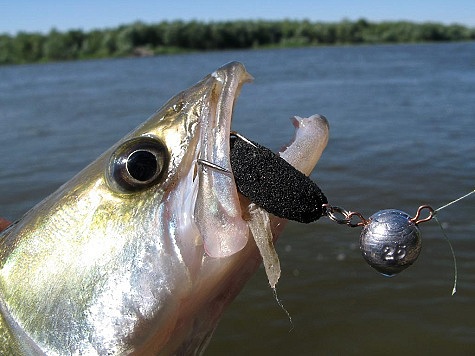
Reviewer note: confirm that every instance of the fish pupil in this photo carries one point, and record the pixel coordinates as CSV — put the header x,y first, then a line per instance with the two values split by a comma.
x,y
137,164
142,165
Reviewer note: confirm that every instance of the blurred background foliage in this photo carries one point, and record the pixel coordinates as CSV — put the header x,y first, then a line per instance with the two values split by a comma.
x,y
141,39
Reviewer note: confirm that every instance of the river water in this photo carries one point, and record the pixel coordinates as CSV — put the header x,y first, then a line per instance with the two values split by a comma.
x,y
402,134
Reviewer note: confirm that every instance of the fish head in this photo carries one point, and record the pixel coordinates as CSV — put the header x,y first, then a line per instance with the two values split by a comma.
x,y
164,154
144,248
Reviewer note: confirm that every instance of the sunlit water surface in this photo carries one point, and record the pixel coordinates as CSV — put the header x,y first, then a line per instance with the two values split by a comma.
x,y
402,134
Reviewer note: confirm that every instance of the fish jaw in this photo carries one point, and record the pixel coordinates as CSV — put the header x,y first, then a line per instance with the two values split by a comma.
x,y
218,214
94,269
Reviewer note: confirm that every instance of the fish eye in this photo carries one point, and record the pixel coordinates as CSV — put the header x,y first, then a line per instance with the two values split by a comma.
x,y
137,164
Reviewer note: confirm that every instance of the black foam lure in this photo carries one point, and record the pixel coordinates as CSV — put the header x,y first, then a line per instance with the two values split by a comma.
x,y
273,184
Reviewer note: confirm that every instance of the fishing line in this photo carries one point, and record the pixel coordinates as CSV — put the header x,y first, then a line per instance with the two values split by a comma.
x,y
454,290
454,201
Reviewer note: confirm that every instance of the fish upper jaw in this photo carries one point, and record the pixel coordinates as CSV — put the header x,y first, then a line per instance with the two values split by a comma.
x,y
217,212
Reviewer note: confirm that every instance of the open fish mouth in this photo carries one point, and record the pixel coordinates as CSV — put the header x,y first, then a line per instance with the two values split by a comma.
x,y
219,210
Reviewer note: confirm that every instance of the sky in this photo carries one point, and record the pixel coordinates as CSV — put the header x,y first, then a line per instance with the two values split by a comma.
x,y
43,15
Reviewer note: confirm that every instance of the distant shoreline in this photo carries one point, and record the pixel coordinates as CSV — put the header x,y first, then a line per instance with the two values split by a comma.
x,y
141,40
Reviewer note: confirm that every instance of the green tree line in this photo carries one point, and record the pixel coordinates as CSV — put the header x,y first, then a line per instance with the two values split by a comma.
x,y
140,39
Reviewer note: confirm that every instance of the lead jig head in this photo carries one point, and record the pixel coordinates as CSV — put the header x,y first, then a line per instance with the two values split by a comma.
x,y
390,241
